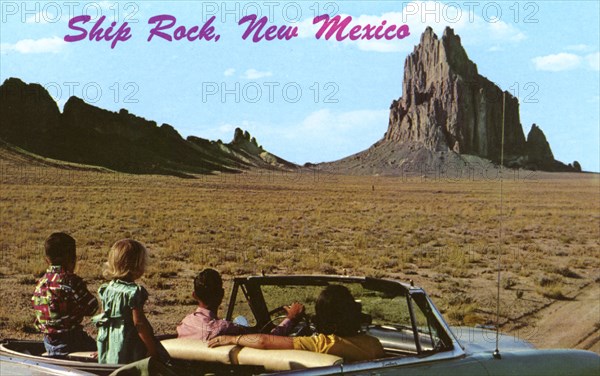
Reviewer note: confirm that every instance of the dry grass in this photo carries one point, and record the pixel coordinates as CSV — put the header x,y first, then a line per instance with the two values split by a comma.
x,y
444,235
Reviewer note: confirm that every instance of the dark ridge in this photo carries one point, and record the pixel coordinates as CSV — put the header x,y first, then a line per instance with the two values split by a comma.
x,y
121,141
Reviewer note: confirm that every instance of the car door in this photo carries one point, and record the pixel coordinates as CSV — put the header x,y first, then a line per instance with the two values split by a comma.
x,y
431,366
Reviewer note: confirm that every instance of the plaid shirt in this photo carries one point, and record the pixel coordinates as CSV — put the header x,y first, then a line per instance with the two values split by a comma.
x,y
61,300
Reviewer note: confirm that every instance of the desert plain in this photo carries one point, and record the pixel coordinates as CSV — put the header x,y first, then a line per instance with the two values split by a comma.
x,y
443,232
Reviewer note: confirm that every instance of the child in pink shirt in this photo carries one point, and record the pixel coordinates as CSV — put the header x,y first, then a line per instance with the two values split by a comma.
x,y
204,324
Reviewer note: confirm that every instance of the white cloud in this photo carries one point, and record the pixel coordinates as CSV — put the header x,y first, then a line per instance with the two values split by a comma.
x,y
325,121
567,61
227,129
253,74
579,47
306,28
557,62
330,135
471,26
229,72
34,46
322,135
593,61
500,30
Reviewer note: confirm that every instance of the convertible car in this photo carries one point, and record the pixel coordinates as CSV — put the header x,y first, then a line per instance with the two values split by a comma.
x,y
416,339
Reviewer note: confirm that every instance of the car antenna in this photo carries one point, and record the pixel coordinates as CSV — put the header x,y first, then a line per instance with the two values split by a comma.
x,y
496,353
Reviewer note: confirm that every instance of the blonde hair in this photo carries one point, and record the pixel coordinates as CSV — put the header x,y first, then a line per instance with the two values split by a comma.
x,y
127,259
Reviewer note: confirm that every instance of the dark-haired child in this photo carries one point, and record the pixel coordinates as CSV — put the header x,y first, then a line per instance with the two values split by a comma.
x,y
204,324
61,300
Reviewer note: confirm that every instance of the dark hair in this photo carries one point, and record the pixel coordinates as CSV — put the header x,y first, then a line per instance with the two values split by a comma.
x,y
208,287
60,248
336,312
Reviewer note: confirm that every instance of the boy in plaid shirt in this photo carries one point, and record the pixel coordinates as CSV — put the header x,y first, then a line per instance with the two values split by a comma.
x,y
61,300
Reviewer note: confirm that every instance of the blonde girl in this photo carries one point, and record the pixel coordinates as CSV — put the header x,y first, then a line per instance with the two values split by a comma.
x,y
124,333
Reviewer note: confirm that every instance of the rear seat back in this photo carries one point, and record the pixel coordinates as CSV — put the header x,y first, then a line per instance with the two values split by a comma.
x,y
285,360
272,360
195,349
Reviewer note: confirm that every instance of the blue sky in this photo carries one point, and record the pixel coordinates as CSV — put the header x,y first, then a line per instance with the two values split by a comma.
x,y
306,99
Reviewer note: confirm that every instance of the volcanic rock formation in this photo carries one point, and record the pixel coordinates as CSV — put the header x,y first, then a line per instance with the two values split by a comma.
x,y
446,104
538,148
447,110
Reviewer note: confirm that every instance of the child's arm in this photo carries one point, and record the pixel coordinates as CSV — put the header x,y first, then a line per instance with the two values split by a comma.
x,y
256,341
87,303
144,330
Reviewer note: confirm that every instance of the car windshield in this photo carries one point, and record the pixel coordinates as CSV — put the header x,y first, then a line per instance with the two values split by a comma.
x,y
403,321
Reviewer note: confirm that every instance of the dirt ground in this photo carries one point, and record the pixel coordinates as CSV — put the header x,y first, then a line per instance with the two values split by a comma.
x,y
445,234
572,323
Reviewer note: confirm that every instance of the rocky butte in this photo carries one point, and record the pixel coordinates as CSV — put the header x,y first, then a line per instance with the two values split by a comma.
x,y
30,121
450,115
